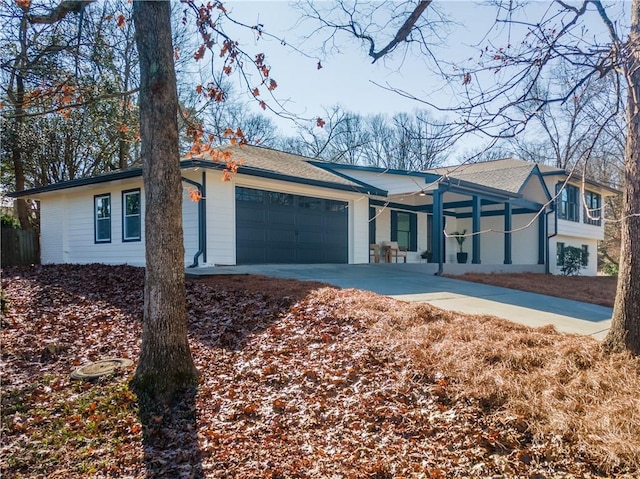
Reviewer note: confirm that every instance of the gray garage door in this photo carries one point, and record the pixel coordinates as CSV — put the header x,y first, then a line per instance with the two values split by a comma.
x,y
277,228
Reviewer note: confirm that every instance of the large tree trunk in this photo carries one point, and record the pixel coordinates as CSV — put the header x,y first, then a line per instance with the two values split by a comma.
x,y
165,365
625,326
17,153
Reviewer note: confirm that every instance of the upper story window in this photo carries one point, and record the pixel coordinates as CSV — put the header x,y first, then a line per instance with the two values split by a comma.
x,y
131,221
102,218
567,202
593,210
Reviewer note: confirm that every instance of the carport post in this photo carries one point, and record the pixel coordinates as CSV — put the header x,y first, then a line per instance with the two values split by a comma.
x,y
507,233
438,227
475,252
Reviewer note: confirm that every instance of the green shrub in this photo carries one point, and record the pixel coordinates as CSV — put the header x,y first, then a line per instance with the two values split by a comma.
x,y
9,221
572,261
610,269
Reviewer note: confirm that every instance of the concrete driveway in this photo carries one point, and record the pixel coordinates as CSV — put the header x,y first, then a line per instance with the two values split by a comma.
x,y
416,282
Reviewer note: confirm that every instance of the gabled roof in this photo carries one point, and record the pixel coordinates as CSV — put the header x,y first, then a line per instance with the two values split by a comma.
x,y
508,174
253,160
577,176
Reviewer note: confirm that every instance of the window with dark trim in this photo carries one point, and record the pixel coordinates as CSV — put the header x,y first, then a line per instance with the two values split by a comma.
x,y
585,255
131,230
559,253
404,229
102,218
568,202
593,210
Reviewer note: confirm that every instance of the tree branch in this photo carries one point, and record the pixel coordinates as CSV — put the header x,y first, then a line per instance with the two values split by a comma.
x,y
401,35
62,10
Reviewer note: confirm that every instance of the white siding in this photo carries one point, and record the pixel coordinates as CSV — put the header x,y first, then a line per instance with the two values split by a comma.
x,y
592,267
580,229
80,245
221,220
67,225
492,243
524,239
383,224
52,229
359,230
533,190
524,243
190,218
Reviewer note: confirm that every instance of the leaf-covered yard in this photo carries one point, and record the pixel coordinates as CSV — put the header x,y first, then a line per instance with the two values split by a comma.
x,y
303,380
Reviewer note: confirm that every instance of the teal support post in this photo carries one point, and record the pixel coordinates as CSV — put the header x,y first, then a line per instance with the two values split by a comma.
x,y
542,237
437,231
507,233
476,207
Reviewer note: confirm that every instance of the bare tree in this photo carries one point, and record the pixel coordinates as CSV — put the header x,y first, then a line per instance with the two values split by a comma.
x,y
504,78
407,141
379,149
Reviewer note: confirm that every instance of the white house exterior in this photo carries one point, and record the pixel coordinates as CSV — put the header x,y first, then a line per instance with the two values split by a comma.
x,y
283,208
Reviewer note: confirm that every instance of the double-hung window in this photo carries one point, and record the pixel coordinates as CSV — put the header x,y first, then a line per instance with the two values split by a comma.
x,y
102,218
568,202
593,210
404,230
131,215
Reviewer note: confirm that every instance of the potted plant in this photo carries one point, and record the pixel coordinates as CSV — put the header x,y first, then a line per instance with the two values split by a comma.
x,y
426,255
460,238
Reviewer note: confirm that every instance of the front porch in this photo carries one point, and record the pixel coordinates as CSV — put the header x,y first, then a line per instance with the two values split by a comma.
x,y
500,231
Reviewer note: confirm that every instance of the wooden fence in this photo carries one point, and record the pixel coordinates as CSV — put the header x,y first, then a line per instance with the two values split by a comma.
x,y
19,247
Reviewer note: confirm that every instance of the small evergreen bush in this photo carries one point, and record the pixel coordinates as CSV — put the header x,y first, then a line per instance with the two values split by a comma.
x,y
572,261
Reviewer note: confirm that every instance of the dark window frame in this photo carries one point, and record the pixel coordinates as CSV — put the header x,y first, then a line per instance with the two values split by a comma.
x,y
107,219
593,207
125,193
568,202
413,229
585,255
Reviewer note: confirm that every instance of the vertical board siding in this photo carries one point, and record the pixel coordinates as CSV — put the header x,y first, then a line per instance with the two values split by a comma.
x,y
20,247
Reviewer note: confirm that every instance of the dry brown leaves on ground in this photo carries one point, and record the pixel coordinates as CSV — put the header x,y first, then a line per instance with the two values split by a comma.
x,y
302,380
589,289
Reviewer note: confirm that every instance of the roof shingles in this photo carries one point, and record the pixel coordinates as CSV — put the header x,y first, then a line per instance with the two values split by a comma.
x,y
507,175
279,162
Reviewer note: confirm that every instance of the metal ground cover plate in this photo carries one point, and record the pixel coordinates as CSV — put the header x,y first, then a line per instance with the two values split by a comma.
x,y
100,368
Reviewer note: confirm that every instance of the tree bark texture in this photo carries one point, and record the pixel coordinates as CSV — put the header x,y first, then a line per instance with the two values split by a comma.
x,y
165,365
17,153
625,325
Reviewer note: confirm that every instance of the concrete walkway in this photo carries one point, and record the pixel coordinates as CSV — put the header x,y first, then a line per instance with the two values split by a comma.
x,y
416,282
